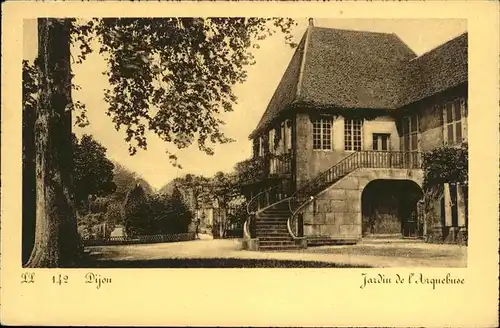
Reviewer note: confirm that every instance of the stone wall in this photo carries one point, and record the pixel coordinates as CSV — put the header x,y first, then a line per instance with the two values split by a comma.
x,y
336,212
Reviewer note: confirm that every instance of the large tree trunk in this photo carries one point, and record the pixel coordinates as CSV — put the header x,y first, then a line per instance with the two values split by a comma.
x,y
29,181
56,236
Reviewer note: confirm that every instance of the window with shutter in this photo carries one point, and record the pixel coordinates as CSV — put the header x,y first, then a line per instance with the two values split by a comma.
x,y
454,113
409,129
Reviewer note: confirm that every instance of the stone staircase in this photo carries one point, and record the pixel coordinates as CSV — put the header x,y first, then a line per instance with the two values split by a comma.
x,y
271,229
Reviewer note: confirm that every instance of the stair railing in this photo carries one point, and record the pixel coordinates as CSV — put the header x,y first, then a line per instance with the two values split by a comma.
x,y
257,204
360,159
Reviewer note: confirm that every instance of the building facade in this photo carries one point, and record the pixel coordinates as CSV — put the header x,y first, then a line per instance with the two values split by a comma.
x,y
341,141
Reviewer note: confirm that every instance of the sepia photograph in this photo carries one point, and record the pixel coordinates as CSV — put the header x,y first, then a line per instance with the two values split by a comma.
x,y
242,163
243,142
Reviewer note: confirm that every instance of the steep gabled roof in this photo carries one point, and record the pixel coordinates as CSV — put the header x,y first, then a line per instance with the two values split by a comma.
x,y
368,70
286,91
353,69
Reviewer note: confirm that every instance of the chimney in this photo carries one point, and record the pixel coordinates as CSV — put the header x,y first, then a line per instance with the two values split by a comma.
x,y
311,21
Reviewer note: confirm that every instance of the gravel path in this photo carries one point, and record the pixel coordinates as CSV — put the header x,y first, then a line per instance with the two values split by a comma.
x,y
372,254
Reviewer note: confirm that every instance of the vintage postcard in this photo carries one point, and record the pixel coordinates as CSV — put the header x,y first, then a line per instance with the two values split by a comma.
x,y
296,164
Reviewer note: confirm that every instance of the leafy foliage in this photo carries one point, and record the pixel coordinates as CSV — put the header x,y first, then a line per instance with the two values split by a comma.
x,y
180,215
224,188
136,212
99,204
30,85
173,76
446,165
238,214
114,212
193,189
125,180
148,189
155,214
93,171
250,170
442,165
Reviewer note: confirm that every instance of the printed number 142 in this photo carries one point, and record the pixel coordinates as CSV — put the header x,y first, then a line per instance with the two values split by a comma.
x,y
60,279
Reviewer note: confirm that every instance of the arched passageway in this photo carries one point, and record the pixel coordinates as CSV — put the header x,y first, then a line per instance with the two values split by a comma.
x,y
389,207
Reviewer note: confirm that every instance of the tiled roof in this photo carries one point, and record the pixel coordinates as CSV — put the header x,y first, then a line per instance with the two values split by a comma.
x,y
287,88
356,69
353,69
440,69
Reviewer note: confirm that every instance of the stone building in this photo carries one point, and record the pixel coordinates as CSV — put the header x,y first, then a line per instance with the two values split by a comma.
x,y
340,143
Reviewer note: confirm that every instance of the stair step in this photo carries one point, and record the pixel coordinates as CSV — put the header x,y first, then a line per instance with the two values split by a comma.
x,y
283,240
275,211
279,247
274,215
273,233
271,225
328,241
281,223
273,229
284,244
267,238
273,220
266,225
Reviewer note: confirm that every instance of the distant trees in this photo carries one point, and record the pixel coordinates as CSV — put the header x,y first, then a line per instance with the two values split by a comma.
x,y
136,212
125,180
155,214
93,171
221,192
180,215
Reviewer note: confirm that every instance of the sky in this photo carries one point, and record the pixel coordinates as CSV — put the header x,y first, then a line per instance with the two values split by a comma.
x,y
272,59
